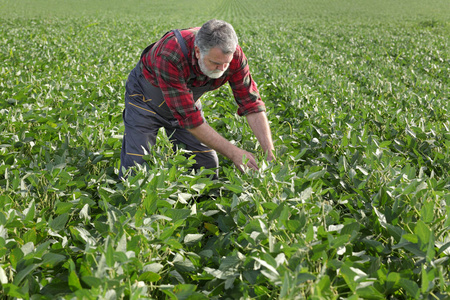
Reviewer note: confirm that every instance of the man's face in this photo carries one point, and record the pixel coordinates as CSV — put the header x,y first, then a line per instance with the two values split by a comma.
x,y
215,63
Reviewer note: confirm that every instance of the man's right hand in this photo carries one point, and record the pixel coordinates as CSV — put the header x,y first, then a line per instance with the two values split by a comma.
x,y
208,136
243,156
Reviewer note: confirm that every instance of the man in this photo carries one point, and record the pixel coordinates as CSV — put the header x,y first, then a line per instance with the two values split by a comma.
x,y
164,88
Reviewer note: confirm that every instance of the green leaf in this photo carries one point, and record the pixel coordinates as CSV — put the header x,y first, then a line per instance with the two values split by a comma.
x,y
430,251
50,260
275,214
427,212
184,197
16,256
411,247
110,255
393,282
15,291
92,281
42,248
122,244
153,267
168,232
59,222
375,245
229,262
30,211
447,221
120,257
395,231
63,207
229,282
23,273
280,176
271,268
424,235
30,236
350,228
324,284
306,194
74,281
286,285
443,248
349,277
191,239
369,292
294,226
149,277
178,214
385,144
261,291
425,280
317,175
183,264
413,238
285,213
52,289
151,203
234,188
339,241
411,187
410,287
310,233
304,277
206,253
187,292
173,243
212,228
139,216
199,187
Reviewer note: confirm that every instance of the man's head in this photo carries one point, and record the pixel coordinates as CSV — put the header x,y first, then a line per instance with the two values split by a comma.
x,y
215,44
216,33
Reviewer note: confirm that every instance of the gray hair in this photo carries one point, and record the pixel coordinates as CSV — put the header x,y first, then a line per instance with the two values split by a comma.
x,y
216,33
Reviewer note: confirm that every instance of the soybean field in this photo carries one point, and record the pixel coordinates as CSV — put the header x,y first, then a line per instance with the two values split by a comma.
x,y
356,205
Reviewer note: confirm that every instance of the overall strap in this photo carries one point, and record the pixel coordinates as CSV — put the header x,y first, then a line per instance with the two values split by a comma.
x,y
184,49
183,45
151,45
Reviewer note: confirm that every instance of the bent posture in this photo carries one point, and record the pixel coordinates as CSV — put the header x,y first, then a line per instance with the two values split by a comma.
x,y
163,90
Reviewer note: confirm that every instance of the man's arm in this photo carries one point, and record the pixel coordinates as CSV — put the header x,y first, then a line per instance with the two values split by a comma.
x,y
260,127
211,138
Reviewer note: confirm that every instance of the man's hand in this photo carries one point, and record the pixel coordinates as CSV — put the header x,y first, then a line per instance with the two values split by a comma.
x,y
242,156
208,136
270,156
260,126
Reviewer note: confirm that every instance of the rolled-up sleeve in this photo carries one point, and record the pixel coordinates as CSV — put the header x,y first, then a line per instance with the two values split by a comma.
x,y
244,88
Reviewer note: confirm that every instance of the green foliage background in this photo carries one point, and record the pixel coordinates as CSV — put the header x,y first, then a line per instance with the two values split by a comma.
x,y
356,206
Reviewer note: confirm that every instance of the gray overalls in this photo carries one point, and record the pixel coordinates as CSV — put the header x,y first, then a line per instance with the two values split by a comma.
x,y
146,112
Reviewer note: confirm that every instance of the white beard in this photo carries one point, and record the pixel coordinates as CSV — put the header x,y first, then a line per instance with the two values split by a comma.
x,y
211,74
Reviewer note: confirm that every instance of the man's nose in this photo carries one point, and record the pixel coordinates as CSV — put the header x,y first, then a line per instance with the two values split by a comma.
x,y
222,67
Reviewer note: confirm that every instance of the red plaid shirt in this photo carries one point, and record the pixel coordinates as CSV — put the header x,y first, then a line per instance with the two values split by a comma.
x,y
167,68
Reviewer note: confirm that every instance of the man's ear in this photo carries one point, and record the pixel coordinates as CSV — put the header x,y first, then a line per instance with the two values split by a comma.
x,y
197,52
